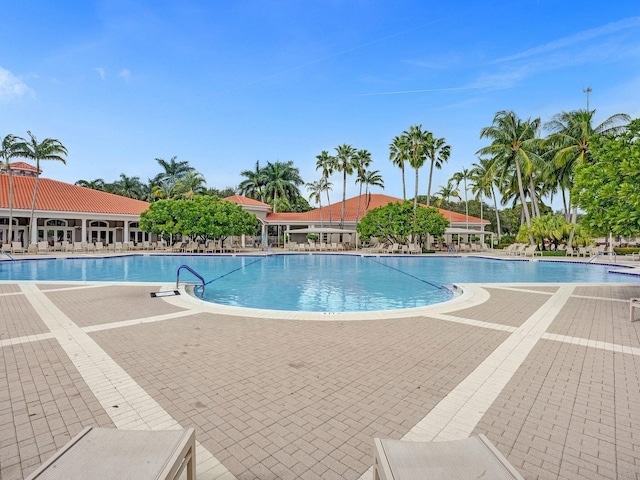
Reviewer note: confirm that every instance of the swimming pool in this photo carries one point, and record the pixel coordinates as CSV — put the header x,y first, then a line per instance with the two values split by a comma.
x,y
315,283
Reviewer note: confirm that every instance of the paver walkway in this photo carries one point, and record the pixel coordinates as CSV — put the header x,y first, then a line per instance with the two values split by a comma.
x,y
550,373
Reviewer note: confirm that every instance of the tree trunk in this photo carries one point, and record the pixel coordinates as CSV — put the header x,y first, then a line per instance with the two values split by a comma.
x,y
344,196
495,204
429,186
415,198
33,202
523,200
404,188
10,236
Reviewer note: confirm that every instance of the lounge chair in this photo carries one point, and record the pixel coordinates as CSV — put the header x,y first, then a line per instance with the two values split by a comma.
x,y
192,247
109,453
16,247
529,251
473,457
43,247
99,247
414,248
32,248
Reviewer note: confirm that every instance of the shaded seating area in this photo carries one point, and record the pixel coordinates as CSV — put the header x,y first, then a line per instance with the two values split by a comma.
x,y
473,457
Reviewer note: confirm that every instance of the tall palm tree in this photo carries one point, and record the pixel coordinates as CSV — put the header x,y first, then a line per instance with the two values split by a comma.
x,y
253,185
163,190
344,162
462,176
12,146
191,184
173,170
484,177
326,163
399,153
371,178
570,137
282,180
361,161
316,189
438,152
514,144
416,138
48,149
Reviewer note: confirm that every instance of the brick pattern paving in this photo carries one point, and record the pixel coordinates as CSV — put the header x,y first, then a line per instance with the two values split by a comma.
x,y
570,412
598,319
274,399
95,306
18,318
506,308
43,403
303,399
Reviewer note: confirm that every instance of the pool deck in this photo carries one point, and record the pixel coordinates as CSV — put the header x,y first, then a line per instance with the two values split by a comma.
x,y
550,373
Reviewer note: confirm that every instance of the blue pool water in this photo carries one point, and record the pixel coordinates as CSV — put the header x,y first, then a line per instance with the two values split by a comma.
x,y
321,283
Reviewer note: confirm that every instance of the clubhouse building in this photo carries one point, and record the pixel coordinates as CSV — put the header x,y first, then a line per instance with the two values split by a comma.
x,y
77,214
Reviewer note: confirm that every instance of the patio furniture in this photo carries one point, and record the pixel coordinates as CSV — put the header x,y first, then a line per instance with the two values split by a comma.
x,y
634,303
16,247
110,454
473,457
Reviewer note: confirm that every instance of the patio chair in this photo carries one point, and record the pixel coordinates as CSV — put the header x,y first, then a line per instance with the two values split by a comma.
x,y
43,247
16,247
32,248
529,251
473,457
99,247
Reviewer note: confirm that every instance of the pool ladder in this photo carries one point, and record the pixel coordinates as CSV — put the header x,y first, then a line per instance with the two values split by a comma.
x,y
194,273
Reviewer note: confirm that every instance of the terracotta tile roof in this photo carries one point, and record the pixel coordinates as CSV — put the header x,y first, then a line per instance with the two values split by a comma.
x,y
23,166
351,211
240,200
64,197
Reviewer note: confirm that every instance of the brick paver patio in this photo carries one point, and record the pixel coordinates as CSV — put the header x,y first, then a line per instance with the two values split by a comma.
x,y
551,374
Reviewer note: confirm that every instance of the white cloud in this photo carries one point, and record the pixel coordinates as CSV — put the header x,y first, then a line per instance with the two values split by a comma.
x,y
580,37
124,74
101,71
12,87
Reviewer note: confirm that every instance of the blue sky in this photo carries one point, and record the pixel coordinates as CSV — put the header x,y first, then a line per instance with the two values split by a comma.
x,y
223,84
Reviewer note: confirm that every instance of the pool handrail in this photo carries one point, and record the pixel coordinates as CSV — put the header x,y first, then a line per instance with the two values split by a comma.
x,y
193,272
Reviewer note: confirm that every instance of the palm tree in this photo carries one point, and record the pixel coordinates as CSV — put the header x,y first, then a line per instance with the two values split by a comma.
x,y
130,187
361,162
446,192
253,186
281,179
12,146
399,153
484,177
173,170
462,176
570,140
163,190
344,162
97,184
416,138
316,189
48,149
371,178
438,152
514,144
191,184
326,163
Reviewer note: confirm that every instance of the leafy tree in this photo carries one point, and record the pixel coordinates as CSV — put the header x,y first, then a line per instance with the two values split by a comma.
x,y
607,189
11,146
48,149
222,193
203,217
398,222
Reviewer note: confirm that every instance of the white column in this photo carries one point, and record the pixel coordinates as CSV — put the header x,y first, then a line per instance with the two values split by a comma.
x,y
84,230
125,234
33,229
